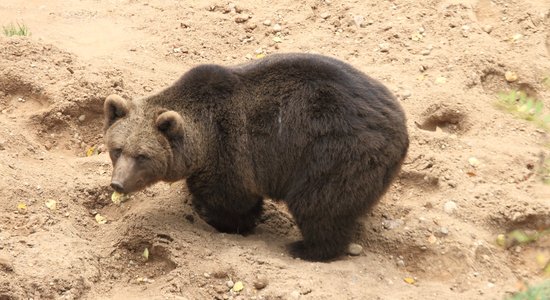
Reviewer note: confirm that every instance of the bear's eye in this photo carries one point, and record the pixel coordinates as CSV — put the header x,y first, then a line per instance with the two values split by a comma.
x,y
142,158
115,153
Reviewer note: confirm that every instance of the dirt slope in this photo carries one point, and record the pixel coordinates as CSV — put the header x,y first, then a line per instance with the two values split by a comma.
x,y
445,60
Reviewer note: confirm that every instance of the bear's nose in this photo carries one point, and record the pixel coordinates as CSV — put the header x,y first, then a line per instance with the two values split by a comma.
x,y
117,186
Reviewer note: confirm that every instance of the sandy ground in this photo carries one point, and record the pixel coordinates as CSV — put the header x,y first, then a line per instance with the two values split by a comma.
x,y
436,227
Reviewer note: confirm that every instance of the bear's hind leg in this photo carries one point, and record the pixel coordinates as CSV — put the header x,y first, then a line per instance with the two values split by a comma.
x,y
327,212
324,238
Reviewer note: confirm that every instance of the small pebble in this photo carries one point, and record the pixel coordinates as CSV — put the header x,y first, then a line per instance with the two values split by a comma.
x,y
267,22
384,47
355,249
444,230
487,28
325,15
449,207
277,28
426,52
400,263
359,21
405,94
230,283
260,282
82,118
295,295
242,18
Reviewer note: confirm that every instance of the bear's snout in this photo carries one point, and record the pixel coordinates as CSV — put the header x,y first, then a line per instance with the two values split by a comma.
x,y
117,186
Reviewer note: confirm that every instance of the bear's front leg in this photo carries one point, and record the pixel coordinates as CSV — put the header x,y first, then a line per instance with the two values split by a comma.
x,y
220,214
227,210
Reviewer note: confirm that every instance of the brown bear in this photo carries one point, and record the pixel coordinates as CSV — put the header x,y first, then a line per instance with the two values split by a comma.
x,y
305,129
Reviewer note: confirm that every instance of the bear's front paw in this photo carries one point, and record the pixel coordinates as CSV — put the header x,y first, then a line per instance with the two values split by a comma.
x,y
312,252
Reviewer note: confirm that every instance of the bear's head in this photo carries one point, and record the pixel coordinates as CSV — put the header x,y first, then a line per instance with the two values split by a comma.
x,y
144,144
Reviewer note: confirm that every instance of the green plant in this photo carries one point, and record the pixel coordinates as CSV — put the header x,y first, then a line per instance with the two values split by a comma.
x,y
531,109
540,291
543,170
17,29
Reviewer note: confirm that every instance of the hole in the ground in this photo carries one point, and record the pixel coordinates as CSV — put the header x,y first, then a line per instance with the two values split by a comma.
x,y
131,255
447,118
95,198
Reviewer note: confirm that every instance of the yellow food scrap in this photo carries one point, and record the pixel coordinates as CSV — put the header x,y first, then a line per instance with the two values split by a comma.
x,y
510,76
100,219
409,280
501,240
440,80
417,36
92,151
239,286
22,208
51,204
118,198
146,254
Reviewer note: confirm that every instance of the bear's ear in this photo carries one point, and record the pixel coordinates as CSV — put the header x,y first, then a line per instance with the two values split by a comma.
x,y
170,123
114,108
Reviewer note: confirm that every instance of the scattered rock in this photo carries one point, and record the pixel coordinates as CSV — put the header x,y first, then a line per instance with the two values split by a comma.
x,y
355,249
267,22
260,282
516,37
474,162
251,27
426,52
242,18
82,118
400,263
392,224
230,283
384,47
325,15
450,207
465,31
277,28
359,21
405,94
487,28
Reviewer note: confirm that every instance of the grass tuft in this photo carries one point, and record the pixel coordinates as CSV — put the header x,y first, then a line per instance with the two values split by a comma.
x,y
530,109
540,291
16,29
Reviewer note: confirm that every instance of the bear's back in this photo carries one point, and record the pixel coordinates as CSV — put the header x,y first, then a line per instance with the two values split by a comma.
x,y
287,105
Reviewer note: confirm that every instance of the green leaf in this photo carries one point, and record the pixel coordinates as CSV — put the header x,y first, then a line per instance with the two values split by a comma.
x,y
537,110
521,237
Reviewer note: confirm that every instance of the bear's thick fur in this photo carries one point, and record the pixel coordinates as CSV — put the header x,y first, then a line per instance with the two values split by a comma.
x,y
306,129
